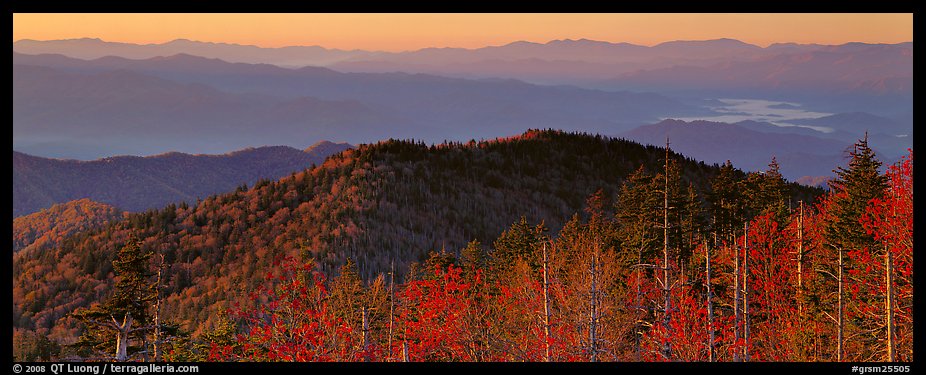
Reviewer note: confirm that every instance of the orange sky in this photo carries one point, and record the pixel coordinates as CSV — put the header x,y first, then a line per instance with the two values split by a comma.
x,y
397,32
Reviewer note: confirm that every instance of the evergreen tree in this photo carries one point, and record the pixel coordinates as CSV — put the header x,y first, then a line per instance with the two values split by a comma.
x,y
852,189
437,260
134,291
473,258
692,224
726,201
637,213
851,192
31,346
125,315
767,191
520,242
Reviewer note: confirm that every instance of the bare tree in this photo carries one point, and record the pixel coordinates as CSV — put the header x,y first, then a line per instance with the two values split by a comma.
x,y
839,319
800,262
593,305
737,297
746,291
546,304
365,326
889,304
666,286
391,307
122,336
157,314
710,306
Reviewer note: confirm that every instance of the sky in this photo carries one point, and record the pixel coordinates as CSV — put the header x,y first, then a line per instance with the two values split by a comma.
x,y
402,32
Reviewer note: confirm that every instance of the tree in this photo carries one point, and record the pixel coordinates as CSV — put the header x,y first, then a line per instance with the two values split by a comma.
x,y
214,344
767,191
890,220
473,258
347,295
32,346
520,241
691,225
637,215
774,320
432,317
852,190
124,316
292,321
726,202
435,260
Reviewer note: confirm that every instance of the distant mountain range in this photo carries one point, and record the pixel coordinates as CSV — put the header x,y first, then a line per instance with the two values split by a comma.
x,y
189,103
700,64
134,183
852,77
746,147
92,48
212,97
75,115
556,62
879,68
890,138
564,61
874,78
298,56
856,123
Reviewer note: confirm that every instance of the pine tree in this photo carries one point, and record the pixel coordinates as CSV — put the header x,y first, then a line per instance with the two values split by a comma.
x,y
473,258
767,191
726,202
692,223
637,214
852,190
520,242
133,291
436,261
125,315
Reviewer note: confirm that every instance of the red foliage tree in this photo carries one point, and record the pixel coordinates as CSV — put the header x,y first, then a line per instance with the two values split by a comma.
x,y
773,314
433,317
292,322
890,220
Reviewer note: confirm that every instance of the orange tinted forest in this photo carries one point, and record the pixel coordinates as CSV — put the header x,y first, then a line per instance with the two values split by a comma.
x,y
548,245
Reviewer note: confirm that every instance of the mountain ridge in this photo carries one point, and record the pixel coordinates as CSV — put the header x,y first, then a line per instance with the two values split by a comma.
x,y
42,46
247,105
145,114
46,228
747,147
135,183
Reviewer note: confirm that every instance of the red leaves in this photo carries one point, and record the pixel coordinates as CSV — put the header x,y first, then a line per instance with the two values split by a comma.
x,y
470,317
890,218
294,325
437,316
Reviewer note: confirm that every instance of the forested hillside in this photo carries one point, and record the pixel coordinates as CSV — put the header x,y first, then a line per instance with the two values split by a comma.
x,y
390,202
48,227
135,183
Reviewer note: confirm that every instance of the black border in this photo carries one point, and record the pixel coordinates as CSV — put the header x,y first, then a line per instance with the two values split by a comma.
x,y
296,6
469,6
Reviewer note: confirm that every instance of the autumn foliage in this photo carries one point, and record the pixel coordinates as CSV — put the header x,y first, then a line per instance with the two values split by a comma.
x,y
659,269
498,314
